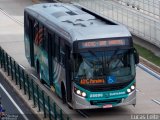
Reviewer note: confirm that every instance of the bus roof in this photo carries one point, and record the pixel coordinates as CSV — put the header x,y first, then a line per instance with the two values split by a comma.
x,y
76,22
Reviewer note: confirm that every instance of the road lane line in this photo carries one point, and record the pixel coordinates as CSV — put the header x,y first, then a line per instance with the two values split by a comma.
x,y
149,71
15,104
22,66
12,18
34,76
156,101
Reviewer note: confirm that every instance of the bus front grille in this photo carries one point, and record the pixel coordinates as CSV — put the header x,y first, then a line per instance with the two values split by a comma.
x,y
103,102
99,88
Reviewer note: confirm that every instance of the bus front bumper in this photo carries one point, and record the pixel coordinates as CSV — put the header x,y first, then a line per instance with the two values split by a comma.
x,y
82,103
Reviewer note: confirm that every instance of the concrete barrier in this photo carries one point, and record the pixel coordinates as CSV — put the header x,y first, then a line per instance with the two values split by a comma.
x,y
150,65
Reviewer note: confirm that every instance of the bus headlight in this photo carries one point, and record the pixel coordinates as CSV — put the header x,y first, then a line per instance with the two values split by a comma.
x,y
79,92
132,87
83,94
128,90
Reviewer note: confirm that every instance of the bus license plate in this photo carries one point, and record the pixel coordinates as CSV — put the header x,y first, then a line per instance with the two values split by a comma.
x,y
107,106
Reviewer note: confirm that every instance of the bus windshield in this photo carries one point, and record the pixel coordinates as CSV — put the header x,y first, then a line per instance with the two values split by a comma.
x,y
94,65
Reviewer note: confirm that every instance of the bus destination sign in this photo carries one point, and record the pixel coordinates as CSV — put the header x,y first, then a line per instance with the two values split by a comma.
x,y
92,81
101,43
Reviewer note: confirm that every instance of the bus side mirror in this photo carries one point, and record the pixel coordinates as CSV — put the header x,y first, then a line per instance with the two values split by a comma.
x,y
136,56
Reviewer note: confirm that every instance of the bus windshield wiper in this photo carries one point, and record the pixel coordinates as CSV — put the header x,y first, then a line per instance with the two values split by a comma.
x,y
93,54
114,54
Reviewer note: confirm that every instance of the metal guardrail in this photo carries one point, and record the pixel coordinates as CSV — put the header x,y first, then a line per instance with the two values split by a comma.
x,y
141,25
25,82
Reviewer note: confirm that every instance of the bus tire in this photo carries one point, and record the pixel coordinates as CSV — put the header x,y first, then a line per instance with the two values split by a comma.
x,y
63,92
70,107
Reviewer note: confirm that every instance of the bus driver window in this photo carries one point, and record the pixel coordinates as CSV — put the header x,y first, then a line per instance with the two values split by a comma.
x,y
85,69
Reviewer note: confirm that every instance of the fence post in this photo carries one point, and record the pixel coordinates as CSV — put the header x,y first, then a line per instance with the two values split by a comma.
x,y
24,82
4,61
38,102
34,103
7,64
44,108
1,56
68,118
49,108
29,94
61,115
55,111
15,72
10,59
19,77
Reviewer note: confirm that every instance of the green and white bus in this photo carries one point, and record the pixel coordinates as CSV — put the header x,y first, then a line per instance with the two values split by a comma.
x,y
87,59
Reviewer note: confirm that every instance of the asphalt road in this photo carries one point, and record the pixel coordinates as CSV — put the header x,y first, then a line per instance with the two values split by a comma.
x,y
14,106
11,39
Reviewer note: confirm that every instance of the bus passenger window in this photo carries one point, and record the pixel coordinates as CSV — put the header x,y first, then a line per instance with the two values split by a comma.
x,y
53,44
26,21
62,52
56,48
41,36
36,33
45,39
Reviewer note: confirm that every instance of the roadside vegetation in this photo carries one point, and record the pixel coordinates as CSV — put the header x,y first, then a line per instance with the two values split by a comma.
x,y
147,54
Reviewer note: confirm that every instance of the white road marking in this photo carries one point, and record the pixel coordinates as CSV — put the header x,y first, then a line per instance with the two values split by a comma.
x,y
15,104
34,76
156,101
22,66
17,21
149,71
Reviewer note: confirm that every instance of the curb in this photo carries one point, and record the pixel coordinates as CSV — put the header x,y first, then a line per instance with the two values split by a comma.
x,y
150,65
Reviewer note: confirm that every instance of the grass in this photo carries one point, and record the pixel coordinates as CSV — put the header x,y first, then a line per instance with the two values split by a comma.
x,y
147,54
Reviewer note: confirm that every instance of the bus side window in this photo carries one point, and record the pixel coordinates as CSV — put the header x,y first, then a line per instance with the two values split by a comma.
x,y
62,52
35,32
56,48
45,39
52,38
31,29
41,36
26,21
